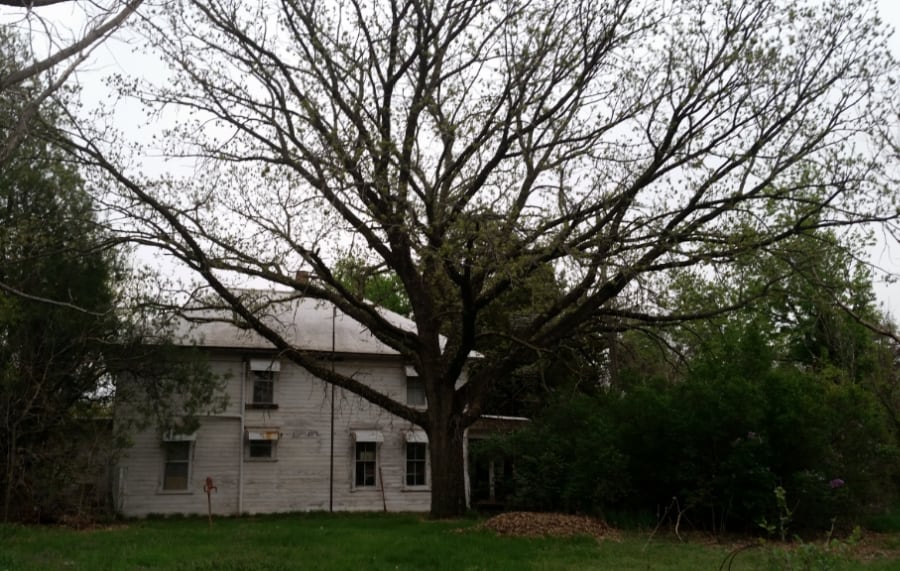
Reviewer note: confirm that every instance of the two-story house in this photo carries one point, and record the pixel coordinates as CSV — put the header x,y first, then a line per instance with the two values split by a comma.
x,y
287,440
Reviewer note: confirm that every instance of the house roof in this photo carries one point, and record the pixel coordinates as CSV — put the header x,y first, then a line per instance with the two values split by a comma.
x,y
305,323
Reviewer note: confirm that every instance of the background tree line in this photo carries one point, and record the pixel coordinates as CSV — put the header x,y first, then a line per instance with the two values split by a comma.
x,y
791,391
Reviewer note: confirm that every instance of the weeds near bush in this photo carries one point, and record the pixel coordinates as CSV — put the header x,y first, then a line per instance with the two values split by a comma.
x,y
812,556
805,556
785,516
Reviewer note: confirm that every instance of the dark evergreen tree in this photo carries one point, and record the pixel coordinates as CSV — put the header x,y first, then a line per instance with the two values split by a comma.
x,y
57,319
64,335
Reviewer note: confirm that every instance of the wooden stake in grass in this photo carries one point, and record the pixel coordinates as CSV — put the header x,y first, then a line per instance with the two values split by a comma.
x,y
209,487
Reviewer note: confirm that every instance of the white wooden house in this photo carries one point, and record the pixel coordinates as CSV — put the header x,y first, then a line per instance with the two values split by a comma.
x,y
288,441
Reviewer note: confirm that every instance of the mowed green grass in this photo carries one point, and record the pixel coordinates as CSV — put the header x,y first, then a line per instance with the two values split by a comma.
x,y
369,541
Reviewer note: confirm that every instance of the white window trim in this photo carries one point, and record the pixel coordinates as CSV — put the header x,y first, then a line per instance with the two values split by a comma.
x,y
171,436
411,439
252,379
375,436
273,365
376,440
272,458
261,435
167,438
417,436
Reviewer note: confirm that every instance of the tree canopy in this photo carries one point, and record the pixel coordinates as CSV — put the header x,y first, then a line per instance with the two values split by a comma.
x,y
52,339
52,71
464,146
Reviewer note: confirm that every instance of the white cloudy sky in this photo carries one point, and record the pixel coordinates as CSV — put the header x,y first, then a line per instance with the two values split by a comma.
x,y
888,255
115,56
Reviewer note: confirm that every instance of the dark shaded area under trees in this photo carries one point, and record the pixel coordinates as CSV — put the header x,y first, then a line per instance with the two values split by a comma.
x,y
792,391
68,332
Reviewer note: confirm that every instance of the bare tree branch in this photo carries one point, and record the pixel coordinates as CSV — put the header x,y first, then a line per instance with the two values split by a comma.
x,y
25,295
92,37
29,4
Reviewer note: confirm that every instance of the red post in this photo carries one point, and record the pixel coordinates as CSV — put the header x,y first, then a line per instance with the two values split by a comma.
x,y
209,488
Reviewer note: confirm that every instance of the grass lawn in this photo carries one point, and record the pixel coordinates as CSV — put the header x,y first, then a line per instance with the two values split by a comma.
x,y
370,541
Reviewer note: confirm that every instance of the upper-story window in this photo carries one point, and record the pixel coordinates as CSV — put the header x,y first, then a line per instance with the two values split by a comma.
x,y
263,376
415,388
263,387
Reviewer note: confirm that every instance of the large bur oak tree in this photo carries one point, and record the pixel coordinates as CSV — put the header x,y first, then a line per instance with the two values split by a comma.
x,y
464,145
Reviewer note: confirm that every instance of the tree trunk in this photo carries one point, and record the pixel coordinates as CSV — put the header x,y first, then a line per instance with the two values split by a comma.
x,y
448,487
10,473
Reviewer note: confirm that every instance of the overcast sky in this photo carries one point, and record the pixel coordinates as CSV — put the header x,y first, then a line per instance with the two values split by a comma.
x,y
888,255
115,56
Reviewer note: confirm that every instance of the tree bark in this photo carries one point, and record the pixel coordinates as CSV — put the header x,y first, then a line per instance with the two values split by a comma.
x,y
10,473
448,485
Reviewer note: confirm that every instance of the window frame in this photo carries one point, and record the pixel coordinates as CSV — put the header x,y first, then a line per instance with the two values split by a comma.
x,y
272,446
358,463
416,380
262,377
187,461
269,436
423,461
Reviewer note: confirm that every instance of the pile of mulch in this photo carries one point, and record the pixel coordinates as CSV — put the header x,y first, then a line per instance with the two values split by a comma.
x,y
531,524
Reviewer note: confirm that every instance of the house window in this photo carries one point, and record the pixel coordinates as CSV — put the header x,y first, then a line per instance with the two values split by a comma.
x,y
365,464
415,463
176,473
262,443
415,388
263,374
263,387
262,450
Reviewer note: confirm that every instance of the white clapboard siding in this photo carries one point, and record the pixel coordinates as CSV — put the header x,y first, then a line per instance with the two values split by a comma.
x,y
213,453
298,478
231,367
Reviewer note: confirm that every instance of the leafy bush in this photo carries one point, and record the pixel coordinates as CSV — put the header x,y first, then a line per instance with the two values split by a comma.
x,y
566,460
721,439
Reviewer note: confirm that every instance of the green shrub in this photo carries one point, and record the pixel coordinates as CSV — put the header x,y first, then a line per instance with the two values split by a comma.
x,y
720,440
566,460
